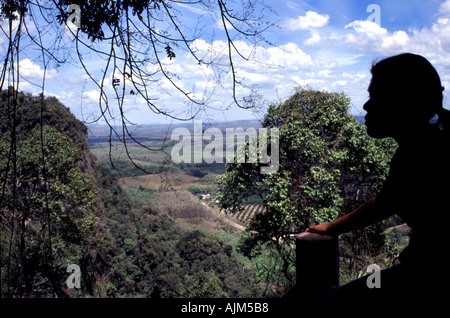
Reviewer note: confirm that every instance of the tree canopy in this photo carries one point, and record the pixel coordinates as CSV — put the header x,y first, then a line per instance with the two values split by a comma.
x,y
328,166
45,210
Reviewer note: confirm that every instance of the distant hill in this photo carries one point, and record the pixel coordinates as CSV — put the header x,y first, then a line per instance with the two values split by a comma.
x,y
161,132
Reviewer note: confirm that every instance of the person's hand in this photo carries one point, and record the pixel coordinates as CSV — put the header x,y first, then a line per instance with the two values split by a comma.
x,y
322,228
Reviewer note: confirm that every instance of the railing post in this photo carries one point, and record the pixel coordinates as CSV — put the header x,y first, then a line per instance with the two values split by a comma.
x,y
317,265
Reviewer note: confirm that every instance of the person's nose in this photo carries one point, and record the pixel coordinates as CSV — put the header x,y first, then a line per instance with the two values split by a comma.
x,y
368,105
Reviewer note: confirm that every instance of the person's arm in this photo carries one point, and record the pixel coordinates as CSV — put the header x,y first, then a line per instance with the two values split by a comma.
x,y
363,216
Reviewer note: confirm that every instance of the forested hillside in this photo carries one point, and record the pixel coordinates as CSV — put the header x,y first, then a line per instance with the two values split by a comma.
x,y
58,207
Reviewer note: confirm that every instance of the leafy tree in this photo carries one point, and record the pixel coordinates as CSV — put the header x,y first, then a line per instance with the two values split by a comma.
x,y
45,212
204,285
328,166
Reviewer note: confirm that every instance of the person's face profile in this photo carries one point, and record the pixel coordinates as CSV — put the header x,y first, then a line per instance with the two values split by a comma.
x,y
381,110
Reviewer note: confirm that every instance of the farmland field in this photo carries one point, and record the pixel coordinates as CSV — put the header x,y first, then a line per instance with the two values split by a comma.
x,y
175,189
248,212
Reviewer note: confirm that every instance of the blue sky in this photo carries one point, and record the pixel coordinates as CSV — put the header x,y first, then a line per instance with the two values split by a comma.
x,y
326,45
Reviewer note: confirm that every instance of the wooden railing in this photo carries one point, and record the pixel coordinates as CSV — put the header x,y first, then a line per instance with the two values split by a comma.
x,y
317,265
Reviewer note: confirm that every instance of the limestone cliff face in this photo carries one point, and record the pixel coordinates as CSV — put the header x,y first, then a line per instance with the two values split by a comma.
x,y
28,111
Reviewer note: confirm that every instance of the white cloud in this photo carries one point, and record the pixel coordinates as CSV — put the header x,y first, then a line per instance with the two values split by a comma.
x,y
431,42
325,73
369,36
31,76
33,72
169,66
314,40
445,7
342,83
253,77
369,28
283,58
353,76
349,81
290,57
92,95
196,70
397,41
310,20
220,26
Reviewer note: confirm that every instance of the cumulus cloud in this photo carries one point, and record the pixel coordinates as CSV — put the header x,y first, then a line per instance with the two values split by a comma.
x,y
31,76
276,59
445,7
310,20
369,36
31,71
433,42
289,56
314,40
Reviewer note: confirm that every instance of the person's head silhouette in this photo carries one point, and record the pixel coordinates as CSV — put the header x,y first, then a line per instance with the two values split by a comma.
x,y
405,93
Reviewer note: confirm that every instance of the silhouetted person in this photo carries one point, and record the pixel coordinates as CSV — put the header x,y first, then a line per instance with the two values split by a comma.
x,y
406,103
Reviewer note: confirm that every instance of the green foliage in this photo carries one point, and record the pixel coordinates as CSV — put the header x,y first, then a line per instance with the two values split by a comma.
x,y
200,189
59,208
149,256
204,285
49,198
328,166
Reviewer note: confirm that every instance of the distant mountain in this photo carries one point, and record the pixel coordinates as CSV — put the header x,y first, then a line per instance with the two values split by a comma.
x,y
154,132
148,132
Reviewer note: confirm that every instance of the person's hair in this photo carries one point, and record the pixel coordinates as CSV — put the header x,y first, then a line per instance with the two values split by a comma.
x,y
416,82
